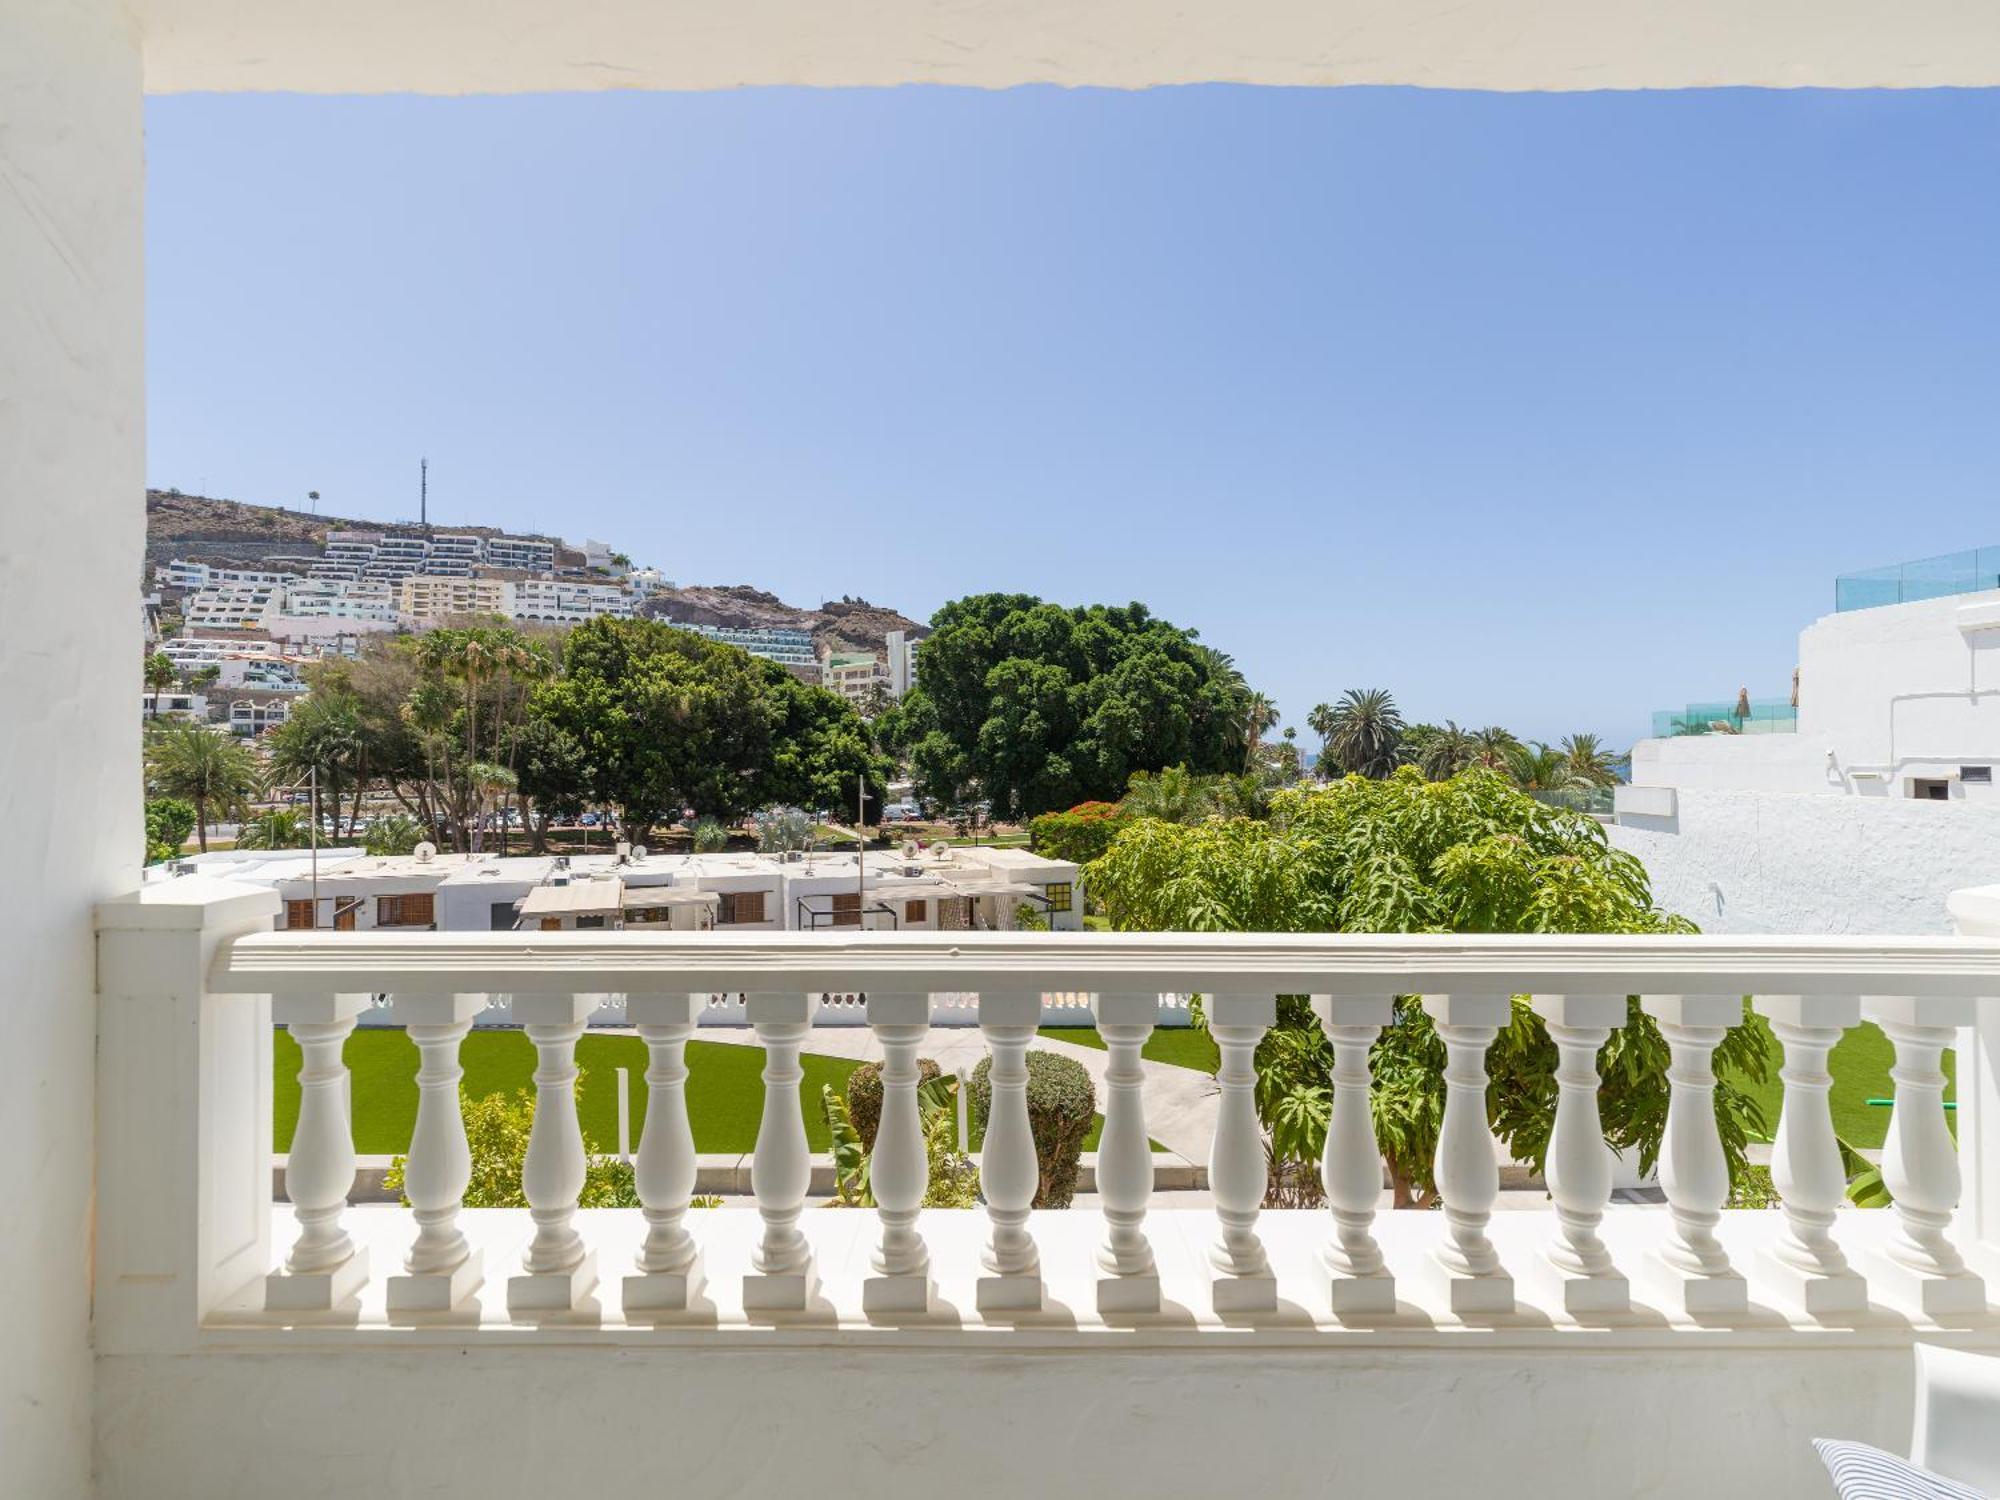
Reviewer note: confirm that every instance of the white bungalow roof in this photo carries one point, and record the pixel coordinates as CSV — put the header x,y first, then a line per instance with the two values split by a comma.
x,y
577,896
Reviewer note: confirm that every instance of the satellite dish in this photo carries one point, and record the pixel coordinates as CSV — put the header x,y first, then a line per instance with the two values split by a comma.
x,y
638,851
425,852
911,848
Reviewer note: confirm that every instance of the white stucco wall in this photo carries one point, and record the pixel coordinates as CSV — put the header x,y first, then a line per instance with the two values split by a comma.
x,y
1159,1423
1773,862
1885,696
72,411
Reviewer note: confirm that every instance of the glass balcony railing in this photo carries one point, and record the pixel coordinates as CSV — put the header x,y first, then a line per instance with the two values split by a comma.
x,y
1928,578
1727,716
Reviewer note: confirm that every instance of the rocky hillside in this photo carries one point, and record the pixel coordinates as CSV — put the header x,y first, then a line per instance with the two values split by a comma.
x,y
200,528
838,625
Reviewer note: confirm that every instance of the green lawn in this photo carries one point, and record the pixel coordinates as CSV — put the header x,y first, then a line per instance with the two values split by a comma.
x,y
725,1089
1178,1046
1860,1068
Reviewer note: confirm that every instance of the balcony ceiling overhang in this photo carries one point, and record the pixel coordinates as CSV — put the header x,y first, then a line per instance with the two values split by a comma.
x,y
517,46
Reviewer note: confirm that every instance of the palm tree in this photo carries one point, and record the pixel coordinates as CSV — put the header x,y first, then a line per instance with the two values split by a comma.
x,y
278,829
321,739
1174,795
1320,722
1260,714
159,673
1492,746
1589,761
213,770
1446,752
1536,767
1367,729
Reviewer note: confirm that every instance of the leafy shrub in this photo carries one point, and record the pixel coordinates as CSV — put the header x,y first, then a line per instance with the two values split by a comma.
x,y
496,1128
864,1097
169,821
952,1182
1061,1106
1079,835
278,829
709,836
782,829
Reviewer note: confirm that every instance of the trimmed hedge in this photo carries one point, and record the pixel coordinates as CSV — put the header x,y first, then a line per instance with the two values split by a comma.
x,y
1062,1104
864,1097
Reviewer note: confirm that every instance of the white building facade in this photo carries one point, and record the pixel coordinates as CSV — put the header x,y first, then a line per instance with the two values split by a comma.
x,y
1863,817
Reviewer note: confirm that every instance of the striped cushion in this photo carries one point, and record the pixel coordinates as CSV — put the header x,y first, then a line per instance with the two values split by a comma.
x,y
1861,1472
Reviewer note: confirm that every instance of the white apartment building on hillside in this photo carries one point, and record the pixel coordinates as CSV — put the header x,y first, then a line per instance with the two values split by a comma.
x,y
342,599
561,601
1861,806
233,606
786,645
899,650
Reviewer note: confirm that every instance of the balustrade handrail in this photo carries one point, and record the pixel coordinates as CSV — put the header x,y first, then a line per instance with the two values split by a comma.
x,y
1285,963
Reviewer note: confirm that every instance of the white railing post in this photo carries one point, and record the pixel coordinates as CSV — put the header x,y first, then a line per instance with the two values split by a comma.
x,y
898,1169
669,1262
557,1270
1920,1267
1691,1271
1805,1156
1975,913
183,1115
1241,1279
1357,1279
441,1269
1128,1282
1009,1173
1579,1160
1464,1267
324,1267
783,1278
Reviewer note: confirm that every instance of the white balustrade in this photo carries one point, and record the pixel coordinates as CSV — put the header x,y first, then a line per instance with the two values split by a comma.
x,y
558,1269
1579,1161
1358,1281
663,1172
1466,1267
901,1264
1009,1173
324,1268
898,1168
1694,1275
783,1277
1920,1267
441,1268
1130,1282
1237,1173
1806,1166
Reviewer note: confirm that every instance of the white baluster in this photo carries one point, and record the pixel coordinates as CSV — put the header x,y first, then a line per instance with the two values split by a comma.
x,y
1805,1157
1691,1272
898,1169
1129,1281
559,1271
1357,1280
783,1277
1465,1268
1237,1174
1579,1160
663,1172
324,1268
441,1269
1920,1268
1009,1173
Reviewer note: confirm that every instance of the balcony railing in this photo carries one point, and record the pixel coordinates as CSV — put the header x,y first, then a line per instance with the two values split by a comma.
x,y
193,981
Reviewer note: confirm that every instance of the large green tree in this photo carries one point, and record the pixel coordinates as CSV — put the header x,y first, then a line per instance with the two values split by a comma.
x,y
1039,707
209,768
1469,854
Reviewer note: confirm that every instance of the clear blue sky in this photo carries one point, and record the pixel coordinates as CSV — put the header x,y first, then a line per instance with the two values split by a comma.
x,y
1539,410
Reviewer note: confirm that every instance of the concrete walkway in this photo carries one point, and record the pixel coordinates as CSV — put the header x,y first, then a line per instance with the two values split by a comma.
x,y
1180,1102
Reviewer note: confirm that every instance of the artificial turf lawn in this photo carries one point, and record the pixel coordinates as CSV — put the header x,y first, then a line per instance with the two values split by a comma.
x,y
1860,1068
1177,1046
725,1088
